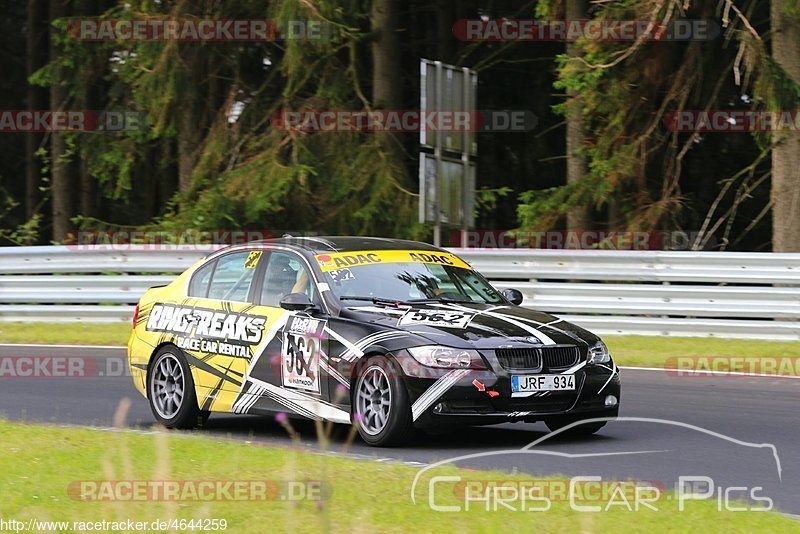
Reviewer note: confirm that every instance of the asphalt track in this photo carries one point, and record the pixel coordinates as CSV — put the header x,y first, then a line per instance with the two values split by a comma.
x,y
695,426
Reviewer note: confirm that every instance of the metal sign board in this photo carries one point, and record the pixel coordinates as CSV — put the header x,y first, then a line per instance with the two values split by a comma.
x,y
448,88
447,194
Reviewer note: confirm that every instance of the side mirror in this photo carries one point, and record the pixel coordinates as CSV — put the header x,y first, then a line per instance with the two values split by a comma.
x,y
514,296
297,302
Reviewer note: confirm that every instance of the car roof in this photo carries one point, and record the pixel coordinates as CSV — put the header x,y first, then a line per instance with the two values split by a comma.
x,y
322,244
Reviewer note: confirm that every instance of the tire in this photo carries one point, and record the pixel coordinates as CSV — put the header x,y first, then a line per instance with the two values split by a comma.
x,y
381,408
586,429
171,391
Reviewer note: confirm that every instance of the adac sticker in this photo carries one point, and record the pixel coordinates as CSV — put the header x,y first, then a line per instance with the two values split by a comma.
x,y
252,259
346,260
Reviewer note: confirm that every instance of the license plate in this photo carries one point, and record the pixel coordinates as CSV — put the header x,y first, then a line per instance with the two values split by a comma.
x,y
527,383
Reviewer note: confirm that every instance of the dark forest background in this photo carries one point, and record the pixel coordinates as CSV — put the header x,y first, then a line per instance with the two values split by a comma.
x,y
600,156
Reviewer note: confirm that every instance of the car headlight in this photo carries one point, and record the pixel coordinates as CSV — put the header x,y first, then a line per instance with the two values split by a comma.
x,y
447,357
598,353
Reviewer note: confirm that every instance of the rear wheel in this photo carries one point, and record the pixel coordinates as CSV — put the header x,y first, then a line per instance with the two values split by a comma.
x,y
380,404
171,392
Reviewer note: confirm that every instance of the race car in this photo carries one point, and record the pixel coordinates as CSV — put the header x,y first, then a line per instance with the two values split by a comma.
x,y
386,334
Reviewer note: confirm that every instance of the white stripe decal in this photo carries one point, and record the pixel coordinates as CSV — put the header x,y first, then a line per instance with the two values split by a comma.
x,y
328,368
350,347
373,338
269,336
433,393
362,344
292,406
237,406
546,340
538,333
575,368
312,405
550,324
613,373
246,401
256,395
238,402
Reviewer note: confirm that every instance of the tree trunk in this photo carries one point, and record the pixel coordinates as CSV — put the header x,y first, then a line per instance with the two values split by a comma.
x,y
167,184
578,218
786,153
62,186
90,100
446,43
387,79
149,186
193,118
386,68
187,149
37,98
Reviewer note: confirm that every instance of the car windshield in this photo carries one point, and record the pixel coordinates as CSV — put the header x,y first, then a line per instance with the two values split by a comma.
x,y
406,281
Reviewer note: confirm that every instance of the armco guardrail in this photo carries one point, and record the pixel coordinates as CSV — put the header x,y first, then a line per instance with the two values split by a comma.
x,y
742,295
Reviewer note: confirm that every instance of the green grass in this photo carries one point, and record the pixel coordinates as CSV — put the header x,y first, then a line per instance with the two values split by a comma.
x,y
66,333
40,463
639,351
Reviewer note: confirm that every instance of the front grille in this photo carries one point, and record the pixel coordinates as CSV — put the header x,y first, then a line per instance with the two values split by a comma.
x,y
520,358
560,357
553,357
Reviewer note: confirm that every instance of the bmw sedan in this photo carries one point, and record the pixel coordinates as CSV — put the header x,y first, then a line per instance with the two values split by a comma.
x,y
385,334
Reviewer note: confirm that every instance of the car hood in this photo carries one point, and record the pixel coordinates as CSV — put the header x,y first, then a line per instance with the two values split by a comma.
x,y
474,325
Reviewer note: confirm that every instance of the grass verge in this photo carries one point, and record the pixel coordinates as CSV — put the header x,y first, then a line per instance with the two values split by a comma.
x,y
640,351
43,462
66,333
770,357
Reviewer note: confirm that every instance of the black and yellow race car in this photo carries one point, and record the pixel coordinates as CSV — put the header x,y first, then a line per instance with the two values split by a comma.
x,y
386,334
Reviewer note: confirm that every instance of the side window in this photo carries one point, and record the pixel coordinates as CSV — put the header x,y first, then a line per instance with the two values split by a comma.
x,y
233,276
198,287
285,274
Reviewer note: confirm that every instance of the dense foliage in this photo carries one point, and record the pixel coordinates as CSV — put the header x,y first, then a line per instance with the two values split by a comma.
x,y
210,156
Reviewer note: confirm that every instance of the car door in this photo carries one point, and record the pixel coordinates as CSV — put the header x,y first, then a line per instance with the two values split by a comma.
x,y
288,372
221,329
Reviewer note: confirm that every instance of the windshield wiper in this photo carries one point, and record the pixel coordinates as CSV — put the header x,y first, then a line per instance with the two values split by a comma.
x,y
374,300
443,299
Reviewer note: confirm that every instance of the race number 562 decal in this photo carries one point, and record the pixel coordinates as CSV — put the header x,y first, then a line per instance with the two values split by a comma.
x,y
441,318
302,345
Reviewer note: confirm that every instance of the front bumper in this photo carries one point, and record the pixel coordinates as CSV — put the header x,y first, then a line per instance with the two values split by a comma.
x,y
480,397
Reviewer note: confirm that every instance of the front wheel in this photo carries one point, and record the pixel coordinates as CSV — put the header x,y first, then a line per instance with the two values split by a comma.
x,y
170,390
381,409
